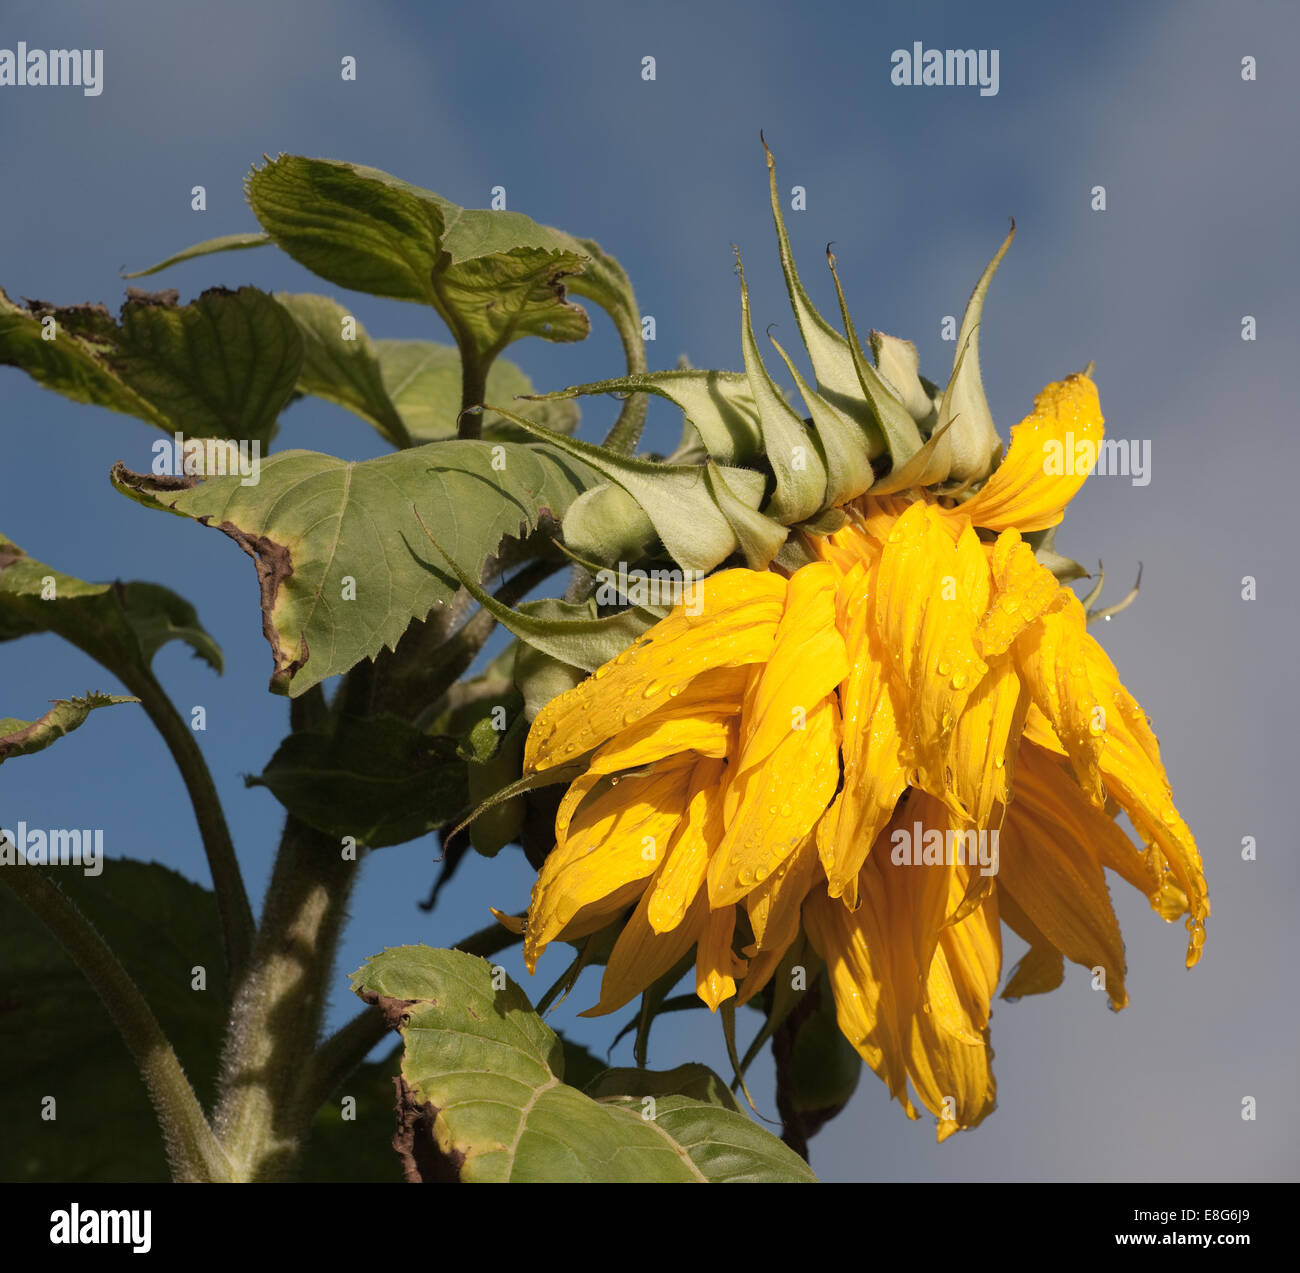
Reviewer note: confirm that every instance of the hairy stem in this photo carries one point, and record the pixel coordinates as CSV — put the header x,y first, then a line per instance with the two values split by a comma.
x,y
192,1150
227,881
262,1118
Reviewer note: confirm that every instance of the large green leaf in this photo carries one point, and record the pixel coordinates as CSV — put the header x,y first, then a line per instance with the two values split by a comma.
x,y
23,737
492,276
221,367
313,522
121,625
485,1097
57,1039
377,779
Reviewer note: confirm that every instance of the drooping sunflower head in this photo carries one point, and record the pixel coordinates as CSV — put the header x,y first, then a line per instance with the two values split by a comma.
x,y
877,748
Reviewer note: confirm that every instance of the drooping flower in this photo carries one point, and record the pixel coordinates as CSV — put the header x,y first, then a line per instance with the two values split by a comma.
x,y
831,750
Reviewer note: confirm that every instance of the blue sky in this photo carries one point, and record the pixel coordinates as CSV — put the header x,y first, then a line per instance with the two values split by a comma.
x,y
914,185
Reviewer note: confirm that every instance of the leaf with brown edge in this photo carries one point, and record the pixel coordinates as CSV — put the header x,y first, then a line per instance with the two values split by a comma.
x,y
23,737
342,565
483,1095
222,366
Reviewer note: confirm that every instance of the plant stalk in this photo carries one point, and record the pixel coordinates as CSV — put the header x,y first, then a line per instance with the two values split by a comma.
x,y
227,881
263,1115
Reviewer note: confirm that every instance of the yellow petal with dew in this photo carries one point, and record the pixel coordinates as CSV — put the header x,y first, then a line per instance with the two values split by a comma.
x,y
1051,454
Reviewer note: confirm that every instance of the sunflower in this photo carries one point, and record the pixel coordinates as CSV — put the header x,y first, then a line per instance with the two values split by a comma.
x,y
890,751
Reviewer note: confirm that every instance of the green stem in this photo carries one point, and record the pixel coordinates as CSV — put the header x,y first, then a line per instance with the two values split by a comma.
x,y
192,1150
262,1117
473,387
227,881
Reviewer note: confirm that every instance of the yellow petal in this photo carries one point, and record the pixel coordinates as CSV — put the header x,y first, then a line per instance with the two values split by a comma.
x,y
917,876
1052,659
512,923
984,744
808,660
1042,967
1052,451
615,843
736,626
926,625
717,966
771,808
863,980
951,1069
762,966
1050,866
682,876
641,956
1022,591
1141,790
775,904
973,574
874,775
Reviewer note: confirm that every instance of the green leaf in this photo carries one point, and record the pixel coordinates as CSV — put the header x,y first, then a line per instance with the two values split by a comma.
x,y
719,405
22,737
1066,569
486,1098
345,372
497,763
605,525
796,461
899,363
313,522
974,436
840,441
377,779
120,625
894,422
759,537
493,276
692,1080
221,367
565,631
676,498
825,1068
57,1039
408,390
424,382
226,243
836,361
